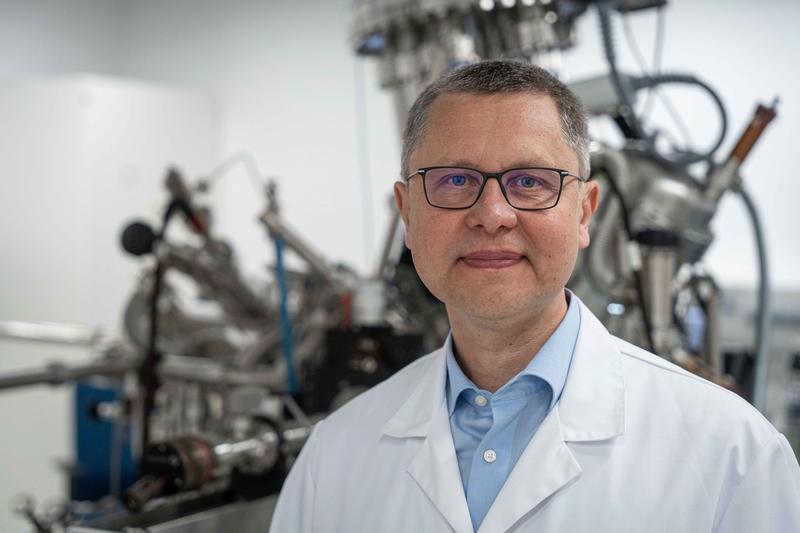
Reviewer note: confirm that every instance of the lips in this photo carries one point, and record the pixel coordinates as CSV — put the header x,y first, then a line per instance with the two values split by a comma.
x,y
492,259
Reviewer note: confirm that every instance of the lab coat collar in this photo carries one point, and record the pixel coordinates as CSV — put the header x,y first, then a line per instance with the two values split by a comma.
x,y
591,408
413,419
435,466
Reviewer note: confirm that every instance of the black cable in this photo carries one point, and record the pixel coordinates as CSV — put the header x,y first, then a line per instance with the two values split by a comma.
x,y
637,275
633,46
147,371
626,110
656,80
628,120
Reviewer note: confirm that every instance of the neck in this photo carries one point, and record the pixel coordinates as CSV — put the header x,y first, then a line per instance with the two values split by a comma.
x,y
492,351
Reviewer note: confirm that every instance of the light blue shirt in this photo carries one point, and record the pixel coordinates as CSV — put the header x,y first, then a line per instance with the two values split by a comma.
x,y
490,431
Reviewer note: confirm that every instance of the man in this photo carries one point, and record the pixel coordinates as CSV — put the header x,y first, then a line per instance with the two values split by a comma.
x,y
532,417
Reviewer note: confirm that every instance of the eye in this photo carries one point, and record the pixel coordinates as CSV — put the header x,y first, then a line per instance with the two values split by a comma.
x,y
457,179
533,181
525,181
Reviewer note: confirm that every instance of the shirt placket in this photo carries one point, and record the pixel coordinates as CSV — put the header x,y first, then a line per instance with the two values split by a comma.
x,y
490,464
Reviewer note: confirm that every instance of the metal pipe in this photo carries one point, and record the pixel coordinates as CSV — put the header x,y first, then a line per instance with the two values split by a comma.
x,y
172,367
724,177
50,332
58,373
659,268
315,261
200,370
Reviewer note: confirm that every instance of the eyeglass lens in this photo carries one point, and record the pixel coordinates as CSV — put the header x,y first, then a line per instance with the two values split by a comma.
x,y
528,188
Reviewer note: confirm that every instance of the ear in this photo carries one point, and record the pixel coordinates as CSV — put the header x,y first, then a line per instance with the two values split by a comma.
x,y
401,200
589,201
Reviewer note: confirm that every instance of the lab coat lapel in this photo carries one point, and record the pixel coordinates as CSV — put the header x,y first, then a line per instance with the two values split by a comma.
x,y
435,469
544,468
592,405
434,466
591,408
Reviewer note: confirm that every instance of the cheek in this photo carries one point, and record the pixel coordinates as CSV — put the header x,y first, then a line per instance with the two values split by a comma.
x,y
555,243
430,239
424,230
411,237
417,240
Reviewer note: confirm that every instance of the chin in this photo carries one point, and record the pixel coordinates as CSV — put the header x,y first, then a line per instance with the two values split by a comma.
x,y
493,306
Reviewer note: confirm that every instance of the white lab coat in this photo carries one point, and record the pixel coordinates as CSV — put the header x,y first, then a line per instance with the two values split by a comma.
x,y
635,444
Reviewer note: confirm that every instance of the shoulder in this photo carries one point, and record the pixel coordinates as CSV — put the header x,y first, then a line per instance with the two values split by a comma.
x,y
704,409
369,411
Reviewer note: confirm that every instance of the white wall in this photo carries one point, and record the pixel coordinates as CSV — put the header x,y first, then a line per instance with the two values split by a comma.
x,y
283,75
278,79
80,156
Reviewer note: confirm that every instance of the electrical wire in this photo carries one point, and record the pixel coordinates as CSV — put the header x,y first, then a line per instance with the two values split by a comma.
x,y
633,46
147,371
688,157
626,110
658,55
652,81
655,69
764,309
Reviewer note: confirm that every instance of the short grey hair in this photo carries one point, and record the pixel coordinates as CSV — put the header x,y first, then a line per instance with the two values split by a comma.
x,y
488,77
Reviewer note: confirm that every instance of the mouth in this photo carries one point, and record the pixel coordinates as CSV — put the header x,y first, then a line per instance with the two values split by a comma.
x,y
492,259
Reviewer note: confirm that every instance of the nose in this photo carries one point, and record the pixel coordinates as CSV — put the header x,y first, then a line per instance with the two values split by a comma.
x,y
492,212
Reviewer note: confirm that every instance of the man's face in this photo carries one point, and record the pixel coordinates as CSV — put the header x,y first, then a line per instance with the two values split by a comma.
x,y
492,261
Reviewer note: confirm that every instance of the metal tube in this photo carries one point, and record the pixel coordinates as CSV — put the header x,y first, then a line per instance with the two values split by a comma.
x,y
50,333
711,339
200,370
58,373
317,263
659,268
723,177
228,454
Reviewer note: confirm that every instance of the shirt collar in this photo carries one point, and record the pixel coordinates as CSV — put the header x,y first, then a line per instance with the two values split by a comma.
x,y
551,363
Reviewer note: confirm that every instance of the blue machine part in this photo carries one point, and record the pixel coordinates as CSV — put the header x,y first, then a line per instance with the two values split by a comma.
x,y
286,323
695,325
94,443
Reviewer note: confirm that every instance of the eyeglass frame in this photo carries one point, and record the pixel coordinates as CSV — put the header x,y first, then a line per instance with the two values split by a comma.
x,y
495,175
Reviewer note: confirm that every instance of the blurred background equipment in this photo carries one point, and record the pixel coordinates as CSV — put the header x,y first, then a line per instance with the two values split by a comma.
x,y
201,407
191,419
653,225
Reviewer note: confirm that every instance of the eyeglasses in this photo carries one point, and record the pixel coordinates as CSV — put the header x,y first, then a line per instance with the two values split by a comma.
x,y
526,189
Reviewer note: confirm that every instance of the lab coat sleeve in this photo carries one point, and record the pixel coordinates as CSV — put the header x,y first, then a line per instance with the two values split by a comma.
x,y
294,512
767,498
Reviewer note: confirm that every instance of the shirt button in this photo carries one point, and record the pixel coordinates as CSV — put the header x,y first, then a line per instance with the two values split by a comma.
x,y
480,400
489,456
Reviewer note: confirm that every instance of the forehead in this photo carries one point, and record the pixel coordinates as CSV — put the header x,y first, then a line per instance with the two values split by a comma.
x,y
493,132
